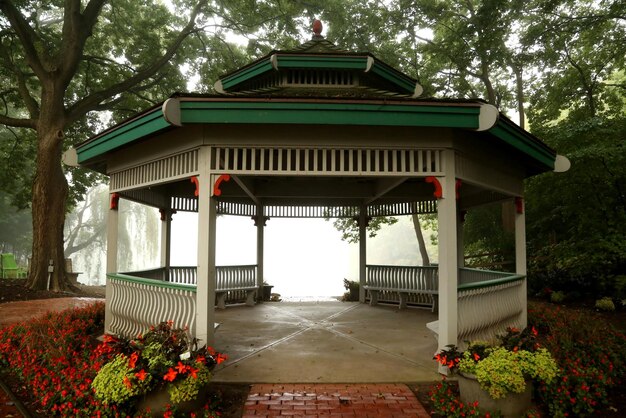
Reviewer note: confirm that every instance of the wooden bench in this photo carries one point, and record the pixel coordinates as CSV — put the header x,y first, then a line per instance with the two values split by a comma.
x,y
220,295
236,278
403,280
403,294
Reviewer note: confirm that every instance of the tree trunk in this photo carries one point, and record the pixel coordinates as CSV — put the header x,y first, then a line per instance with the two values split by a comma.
x,y
519,88
420,240
50,191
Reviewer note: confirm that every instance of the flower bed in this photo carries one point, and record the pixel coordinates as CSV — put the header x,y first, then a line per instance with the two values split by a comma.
x,y
591,354
57,358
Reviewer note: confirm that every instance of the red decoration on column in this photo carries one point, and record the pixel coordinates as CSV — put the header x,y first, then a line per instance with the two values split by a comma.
x,y
457,186
115,199
195,181
519,205
216,189
438,191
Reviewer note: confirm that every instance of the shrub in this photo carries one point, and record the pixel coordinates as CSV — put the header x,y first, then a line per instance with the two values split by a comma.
x,y
590,353
605,304
557,297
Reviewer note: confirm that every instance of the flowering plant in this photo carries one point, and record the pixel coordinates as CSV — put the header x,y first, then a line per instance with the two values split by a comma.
x,y
505,368
164,357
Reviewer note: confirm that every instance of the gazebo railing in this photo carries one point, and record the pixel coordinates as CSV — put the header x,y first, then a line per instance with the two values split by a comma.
x,y
418,283
488,301
138,303
487,308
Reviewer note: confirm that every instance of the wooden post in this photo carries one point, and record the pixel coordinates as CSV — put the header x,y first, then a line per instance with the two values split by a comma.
x,y
260,242
362,251
206,276
520,252
112,235
166,236
448,259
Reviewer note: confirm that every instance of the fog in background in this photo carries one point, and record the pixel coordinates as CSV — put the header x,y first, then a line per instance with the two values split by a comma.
x,y
303,257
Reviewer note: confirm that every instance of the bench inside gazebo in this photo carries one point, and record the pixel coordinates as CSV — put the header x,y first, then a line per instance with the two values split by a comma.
x,y
307,133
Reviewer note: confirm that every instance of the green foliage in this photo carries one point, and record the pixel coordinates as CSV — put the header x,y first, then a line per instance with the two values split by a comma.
x,y
605,304
503,371
485,239
557,297
165,357
577,220
349,227
189,388
116,383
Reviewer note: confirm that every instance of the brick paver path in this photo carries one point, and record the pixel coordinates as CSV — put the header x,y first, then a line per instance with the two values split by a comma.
x,y
333,400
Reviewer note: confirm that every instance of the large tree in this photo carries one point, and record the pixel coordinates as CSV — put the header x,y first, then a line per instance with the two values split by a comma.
x,y
60,61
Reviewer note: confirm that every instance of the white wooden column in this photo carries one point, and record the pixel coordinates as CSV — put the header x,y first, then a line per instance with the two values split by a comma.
x,y
112,235
460,244
362,251
520,251
206,276
166,236
448,258
260,242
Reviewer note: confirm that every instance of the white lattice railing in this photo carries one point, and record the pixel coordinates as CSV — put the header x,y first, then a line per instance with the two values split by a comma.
x,y
236,277
486,309
184,275
232,286
138,303
418,282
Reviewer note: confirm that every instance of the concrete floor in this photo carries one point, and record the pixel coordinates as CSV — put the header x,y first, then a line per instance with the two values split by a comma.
x,y
331,342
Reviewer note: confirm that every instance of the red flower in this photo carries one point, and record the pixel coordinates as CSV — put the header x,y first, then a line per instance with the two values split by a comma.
x,y
476,357
170,375
127,382
133,360
220,358
181,368
141,375
193,372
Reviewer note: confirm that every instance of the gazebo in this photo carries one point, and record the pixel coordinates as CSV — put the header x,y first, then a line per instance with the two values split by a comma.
x,y
315,132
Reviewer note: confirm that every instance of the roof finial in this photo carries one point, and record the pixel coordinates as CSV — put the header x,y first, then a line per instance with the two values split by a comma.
x,y
317,29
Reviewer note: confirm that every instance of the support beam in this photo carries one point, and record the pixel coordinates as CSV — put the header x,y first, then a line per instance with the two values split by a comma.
x,y
362,251
520,251
384,186
247,189
448,257
112,235
206,276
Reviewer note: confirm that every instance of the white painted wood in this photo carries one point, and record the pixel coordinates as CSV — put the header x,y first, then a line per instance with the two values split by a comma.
x,y
362,252
488,117
260,248
136,305
112,234
520,257
205,295
448,260
418,284
486,312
